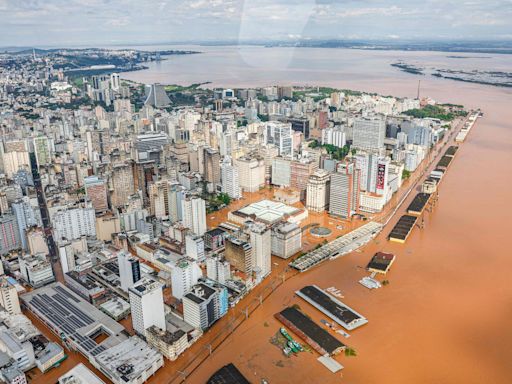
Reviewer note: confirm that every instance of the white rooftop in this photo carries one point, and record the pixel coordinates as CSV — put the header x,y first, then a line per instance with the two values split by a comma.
x,y
80,374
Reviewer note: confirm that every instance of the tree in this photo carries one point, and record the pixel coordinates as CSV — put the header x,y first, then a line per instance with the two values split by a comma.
x,y
406,174
350,352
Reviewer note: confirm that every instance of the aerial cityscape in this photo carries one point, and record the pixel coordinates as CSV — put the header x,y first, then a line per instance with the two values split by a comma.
x,y
182,204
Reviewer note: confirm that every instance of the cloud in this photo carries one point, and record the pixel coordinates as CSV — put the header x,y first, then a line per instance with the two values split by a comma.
x,y
42,22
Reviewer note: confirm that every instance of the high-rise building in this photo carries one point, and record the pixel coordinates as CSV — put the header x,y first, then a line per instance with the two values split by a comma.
x,y
184,275
194,214
261,244
230,182
122,184
369,133
218,269
211,166
194,246
115,82
9,234
251,173
96,191
71,224
334,136
159,199
36,270
300,170
240,255
204,305
26,217
9,297
129,270
280,135
286,239
42,150
317,191
345,190
147,305
281,172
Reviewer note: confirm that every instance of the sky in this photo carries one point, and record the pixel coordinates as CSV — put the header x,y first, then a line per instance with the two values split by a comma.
x,y
110,22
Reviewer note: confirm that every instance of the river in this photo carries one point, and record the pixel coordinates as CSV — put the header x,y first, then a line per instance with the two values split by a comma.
x,y
445,316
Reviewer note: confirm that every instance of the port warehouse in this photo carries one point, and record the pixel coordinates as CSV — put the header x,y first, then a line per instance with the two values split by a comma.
x,y
418,204
338,247
318,338
226,375
330,306
381,262
403,228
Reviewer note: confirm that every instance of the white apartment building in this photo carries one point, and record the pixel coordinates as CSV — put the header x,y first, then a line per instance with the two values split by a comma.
x,y
251,173
218,269
334,136
230,179
71,224
286,239
129,270
184,275
194,214
317,191
261,244
147,305
9,297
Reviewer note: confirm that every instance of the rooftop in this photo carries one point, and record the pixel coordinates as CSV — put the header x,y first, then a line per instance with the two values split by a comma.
x,y
74,318
80,374
128,360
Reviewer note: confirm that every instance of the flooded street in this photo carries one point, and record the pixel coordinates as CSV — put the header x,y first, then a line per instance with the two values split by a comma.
x,y
445,316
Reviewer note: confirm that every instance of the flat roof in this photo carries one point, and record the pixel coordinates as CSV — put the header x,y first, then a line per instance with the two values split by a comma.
x,y
306,328
73,318
228,374
335,309
268,211
80,374
381,261
129,359
403,228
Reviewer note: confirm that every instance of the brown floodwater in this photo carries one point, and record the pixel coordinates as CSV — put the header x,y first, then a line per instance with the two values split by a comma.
x,y
445,316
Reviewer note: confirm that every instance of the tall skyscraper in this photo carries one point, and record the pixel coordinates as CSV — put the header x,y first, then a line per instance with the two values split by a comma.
x,y
345,190
122,184
194,214
240,255
318,190
26,217
147,305
251,173
42,150
204,305
261,245
9,234
96,191
184,275
230,184
71,224
280,135
211,166
129,270
369,133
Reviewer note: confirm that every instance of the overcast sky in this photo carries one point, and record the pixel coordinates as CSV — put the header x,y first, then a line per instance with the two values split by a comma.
x,y
61,22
